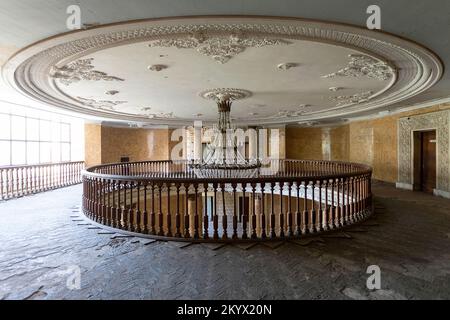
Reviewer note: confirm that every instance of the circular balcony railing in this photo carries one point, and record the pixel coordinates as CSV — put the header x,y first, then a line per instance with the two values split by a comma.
x,y
284,199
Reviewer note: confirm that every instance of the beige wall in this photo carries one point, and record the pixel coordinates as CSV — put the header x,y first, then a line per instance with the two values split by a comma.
x,y
92,145
373,142
108,144
304,143
137,144
339,138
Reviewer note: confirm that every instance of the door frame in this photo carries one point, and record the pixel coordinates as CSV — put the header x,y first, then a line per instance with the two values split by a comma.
x,y
416,158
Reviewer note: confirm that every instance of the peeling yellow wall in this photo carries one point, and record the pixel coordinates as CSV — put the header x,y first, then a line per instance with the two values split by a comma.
x,y
340,149
92,145
373,142
304,143
135,143
108,144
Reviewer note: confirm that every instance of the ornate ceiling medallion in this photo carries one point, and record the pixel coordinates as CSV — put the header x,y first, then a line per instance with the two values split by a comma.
x,y
352,99
160,115
157,67
145,111
291,113
99,104
287,65
219,94
362,65
80,70
220,47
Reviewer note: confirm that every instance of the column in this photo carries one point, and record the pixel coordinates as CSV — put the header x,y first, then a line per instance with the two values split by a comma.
x,y
198,141
252,144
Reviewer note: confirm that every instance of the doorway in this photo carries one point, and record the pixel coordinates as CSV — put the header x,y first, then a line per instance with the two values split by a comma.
x,y
425,161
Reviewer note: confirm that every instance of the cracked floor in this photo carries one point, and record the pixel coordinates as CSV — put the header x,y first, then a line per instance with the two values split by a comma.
x,y
43,244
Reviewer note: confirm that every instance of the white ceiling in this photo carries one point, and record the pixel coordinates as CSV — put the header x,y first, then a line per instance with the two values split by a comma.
x,y
175,90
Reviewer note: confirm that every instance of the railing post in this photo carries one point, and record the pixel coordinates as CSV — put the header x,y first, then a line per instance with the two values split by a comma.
x,y
205,212
224,213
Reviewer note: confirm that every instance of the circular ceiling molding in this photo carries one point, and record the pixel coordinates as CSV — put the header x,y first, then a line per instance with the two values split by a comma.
x,y
370,69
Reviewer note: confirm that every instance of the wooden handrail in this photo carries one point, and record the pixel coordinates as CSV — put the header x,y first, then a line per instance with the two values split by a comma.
x,y
167,199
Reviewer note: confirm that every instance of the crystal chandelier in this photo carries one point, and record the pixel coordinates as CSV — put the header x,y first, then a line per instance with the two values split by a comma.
x,y
224,156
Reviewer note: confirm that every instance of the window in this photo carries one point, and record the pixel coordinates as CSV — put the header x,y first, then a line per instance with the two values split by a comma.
x,y
30,136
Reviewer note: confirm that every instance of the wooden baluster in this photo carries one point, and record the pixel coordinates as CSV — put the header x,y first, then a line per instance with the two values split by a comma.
x,y
186,212
352,204
196,216
313,207
333,206
281,215
2,185
119,206
21,181
89,196
358,184
289,213
124,210
26,180
263,211
10,183
298,213
215,217
108,205
342,213
103,201
153,214
131,221
160,213
345,187
59,177
319,226
16,171
244,213
224,213
272,212
145,212
338,206
355,201
114,205
177,214
325,213
205,213
253,235
234,236
36,179
98,204
305,209
138,212
94,199
169,216
92,183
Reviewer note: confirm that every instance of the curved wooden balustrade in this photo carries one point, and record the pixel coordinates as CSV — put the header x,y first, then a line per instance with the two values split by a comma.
x,y
18,181
286,198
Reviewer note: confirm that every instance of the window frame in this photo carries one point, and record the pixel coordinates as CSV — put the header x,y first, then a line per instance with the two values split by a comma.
x,y
61,123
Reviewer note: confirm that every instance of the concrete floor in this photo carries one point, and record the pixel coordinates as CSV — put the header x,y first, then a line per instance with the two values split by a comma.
x,y
42,247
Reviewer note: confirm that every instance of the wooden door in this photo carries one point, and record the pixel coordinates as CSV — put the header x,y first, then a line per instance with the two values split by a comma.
x,y
428,161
